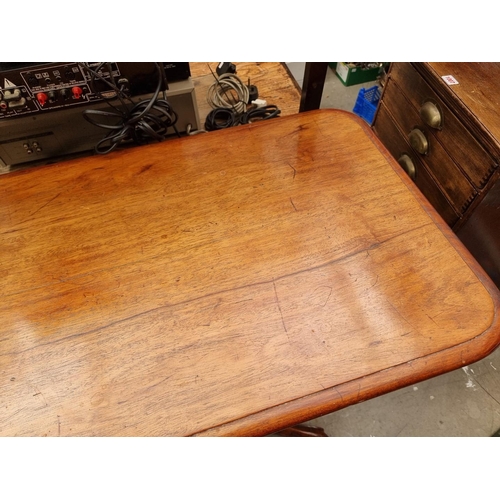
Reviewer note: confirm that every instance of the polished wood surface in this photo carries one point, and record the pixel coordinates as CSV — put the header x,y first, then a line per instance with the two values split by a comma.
x,y
475,97
231,283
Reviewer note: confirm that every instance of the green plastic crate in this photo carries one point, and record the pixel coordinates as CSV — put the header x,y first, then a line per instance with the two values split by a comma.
x,y
354,75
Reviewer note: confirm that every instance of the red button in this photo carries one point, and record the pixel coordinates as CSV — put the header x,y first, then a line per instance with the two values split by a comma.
x,y
42,98
77,92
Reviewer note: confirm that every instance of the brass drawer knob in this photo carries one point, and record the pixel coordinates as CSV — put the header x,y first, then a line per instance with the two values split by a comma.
x,y
431,115
408,166
418,141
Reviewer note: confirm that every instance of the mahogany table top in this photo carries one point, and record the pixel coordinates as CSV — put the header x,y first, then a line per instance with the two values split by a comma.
x,y
230,283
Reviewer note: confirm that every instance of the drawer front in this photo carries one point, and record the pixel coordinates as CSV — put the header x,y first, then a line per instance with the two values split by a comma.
x,y
444,170
459,143
386,130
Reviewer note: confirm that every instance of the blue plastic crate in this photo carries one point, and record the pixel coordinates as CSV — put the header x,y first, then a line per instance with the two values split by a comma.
x,y
366,103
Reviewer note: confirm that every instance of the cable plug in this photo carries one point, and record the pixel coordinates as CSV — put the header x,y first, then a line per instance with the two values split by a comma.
x,y
259,103
225,67
253,92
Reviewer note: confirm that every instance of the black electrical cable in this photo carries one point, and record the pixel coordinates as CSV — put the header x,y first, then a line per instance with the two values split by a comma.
x,y
146,120
220,118
263,113
96,75
230,97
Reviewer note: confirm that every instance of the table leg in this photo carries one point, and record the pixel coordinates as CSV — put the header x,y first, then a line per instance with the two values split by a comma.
x,y
302,431
312,87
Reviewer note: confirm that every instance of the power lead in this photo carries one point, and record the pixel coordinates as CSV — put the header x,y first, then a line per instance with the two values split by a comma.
x,y
264,113
220,118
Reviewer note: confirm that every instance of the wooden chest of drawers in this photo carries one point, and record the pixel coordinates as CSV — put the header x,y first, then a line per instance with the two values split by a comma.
x,y
446,136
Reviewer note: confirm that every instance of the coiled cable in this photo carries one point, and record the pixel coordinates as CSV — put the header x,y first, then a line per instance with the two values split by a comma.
x,y
220,118
228,91
148,119
262,113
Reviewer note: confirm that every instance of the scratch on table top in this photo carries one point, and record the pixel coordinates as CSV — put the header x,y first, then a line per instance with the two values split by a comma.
x,y
279,307
294,170
329,288
44,205
432,319
39,393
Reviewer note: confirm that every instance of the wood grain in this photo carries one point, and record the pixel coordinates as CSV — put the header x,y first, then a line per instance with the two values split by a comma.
x,y
475,99
236,282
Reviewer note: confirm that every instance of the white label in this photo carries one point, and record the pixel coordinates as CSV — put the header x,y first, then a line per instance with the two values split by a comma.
x,y
342,71
450,80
